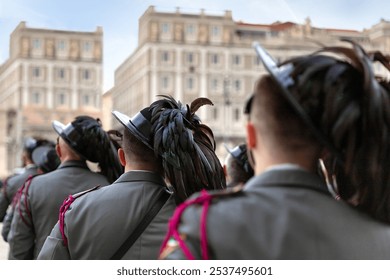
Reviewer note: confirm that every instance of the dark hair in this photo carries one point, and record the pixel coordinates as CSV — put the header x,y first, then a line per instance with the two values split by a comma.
x,y
137,150
186,146
351,108
238,167
31,143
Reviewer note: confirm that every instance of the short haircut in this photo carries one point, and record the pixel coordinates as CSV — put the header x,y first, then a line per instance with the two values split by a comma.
x,y
138,151
274,117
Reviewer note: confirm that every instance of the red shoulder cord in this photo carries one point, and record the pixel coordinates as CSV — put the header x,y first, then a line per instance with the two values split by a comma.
x,y
17,200
204,199
64,207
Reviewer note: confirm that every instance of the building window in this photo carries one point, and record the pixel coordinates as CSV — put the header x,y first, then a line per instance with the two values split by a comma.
x,y
190,29
36,72
36,97
36,43
215,113
61,45
86,74
86,100
165,83
237,85
165,56
61,98
190,58
165,28
237,114
256,61
215,31
190,83
214,59
61,73
87,46
236,60
214,84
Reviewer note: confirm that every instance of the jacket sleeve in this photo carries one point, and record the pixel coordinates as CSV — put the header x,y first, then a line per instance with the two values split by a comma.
x,y
3,202
7,224
21,237
189,232
54,248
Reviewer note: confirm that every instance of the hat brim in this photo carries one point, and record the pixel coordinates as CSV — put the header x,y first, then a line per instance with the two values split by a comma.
x,y
43,158
58,127
61,130
281,75
131,125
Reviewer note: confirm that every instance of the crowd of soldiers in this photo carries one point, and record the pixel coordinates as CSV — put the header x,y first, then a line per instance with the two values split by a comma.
x,y
311,182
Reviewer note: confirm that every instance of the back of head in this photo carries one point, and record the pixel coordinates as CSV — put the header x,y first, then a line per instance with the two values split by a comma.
x,y
338,106
140,154
32,143
46,158
87,138
186,146
237,166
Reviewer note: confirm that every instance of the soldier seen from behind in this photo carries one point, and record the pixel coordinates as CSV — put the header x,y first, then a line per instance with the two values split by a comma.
x,y
46,160
328,105
13,183
81,140
164,142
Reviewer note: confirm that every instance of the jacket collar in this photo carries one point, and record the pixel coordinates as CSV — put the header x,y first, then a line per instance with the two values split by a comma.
x,y
141,175
73,163
297,178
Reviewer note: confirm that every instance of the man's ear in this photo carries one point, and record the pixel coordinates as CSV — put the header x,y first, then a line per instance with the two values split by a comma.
x,y
58,150
224,170
251,135
121,155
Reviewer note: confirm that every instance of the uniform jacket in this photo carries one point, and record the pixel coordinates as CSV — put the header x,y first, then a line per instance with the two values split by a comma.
x,y
283,214
99,222
11,187
32,224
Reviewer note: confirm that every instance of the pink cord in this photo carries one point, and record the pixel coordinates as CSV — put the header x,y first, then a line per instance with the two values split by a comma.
x,y
204,199
64,207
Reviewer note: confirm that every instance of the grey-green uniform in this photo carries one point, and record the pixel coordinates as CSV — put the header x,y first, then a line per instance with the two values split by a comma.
x,y
37,212
97,223
11,187
284,213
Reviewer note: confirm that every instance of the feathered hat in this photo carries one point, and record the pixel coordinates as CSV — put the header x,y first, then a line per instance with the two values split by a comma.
x,y
187,146
87,138
337,95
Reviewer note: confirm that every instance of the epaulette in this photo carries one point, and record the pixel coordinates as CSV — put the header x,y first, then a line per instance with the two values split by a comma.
x,y
173,239
65,206
17,200
228,192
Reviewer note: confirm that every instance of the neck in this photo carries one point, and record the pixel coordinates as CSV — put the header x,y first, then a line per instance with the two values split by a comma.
x,y
131,166
266,160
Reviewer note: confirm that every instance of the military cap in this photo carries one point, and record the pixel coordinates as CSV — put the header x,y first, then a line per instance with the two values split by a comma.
x,y
139,125
46,158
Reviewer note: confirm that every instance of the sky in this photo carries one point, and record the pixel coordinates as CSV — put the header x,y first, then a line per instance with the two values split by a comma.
x,y
119,18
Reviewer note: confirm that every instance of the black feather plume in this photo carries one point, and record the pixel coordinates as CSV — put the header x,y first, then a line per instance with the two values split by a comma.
x,y
187,147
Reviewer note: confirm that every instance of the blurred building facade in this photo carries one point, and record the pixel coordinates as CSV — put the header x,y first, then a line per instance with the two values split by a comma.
x,y
50,75
190,55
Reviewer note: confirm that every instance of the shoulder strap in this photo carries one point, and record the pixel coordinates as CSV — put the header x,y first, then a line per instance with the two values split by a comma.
x,y
174,239
64,207
157,205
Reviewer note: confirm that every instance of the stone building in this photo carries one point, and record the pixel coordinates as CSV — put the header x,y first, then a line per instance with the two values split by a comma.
x,y
50,75
190,55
